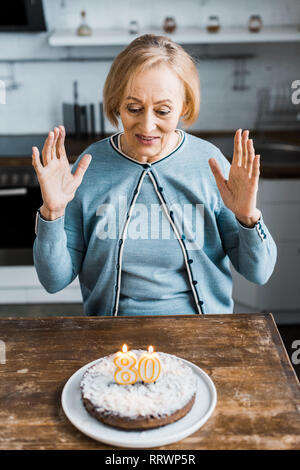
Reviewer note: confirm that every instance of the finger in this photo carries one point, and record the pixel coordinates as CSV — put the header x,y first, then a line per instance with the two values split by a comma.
x,y
256,167
60,146
237,151
46,152
36,162
53,149
82,167
251,156
244,147
216,170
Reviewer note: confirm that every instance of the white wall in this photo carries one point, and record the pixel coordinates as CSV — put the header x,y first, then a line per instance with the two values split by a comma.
x,y
36,105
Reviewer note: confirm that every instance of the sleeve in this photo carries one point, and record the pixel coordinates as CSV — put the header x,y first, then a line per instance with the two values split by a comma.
x,y
59,248
252,251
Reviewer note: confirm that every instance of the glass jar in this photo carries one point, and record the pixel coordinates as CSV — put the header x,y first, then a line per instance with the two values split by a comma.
x,y
213,24
84,29
169,25
255,23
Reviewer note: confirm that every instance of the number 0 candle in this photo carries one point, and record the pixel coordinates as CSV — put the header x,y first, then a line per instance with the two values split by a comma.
x,y
149,366
125,361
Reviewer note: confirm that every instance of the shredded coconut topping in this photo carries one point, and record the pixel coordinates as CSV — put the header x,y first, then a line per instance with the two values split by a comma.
x,y
173,389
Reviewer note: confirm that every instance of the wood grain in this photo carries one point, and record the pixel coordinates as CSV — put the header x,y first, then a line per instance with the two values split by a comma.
x,y
258,392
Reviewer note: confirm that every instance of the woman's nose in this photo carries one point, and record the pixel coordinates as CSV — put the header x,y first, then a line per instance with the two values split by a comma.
x,y
148,122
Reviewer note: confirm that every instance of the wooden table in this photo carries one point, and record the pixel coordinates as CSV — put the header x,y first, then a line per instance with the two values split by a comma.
x,y
258,403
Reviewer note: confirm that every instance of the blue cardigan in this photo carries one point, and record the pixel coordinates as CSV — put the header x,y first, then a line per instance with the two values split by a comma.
x,y
89,239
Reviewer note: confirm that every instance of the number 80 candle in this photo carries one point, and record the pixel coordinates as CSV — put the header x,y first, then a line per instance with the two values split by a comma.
x,y
149,366
125,361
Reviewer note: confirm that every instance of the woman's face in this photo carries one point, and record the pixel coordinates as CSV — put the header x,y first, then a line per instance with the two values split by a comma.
x,y
150,110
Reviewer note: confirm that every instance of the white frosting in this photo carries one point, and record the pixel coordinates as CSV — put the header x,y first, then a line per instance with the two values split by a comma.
x,y
171,392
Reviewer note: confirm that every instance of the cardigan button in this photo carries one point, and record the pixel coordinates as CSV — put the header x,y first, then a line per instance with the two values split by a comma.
x,y
120,242
190,261
183,236
200,302
160,189
195,282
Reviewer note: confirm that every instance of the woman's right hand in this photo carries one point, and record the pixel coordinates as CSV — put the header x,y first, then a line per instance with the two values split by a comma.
x,y
58,185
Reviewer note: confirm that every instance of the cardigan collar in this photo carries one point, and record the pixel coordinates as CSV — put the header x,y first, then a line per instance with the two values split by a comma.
x,y
117,148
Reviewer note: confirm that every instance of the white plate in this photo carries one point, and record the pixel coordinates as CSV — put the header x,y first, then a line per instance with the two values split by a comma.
x,y
205,402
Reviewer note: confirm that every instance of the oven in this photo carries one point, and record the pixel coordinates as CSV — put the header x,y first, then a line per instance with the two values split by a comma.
x,y
20,197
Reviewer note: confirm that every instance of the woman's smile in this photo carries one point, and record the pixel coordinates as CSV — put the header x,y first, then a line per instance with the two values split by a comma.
x,y
146,140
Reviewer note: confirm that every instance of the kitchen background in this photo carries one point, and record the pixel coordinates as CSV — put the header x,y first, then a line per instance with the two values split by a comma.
x,y
247,81
226,83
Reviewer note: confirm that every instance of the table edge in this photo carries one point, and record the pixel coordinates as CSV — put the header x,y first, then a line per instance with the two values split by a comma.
x,y
137,317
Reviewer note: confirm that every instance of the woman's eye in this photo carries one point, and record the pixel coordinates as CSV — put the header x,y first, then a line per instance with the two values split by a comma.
x,y
163,112
133,110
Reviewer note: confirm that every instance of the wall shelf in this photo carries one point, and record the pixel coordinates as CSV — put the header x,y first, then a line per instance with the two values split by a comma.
x,y
120,37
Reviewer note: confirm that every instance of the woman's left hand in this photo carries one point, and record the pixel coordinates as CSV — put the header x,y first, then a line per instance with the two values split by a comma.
x,y
239,192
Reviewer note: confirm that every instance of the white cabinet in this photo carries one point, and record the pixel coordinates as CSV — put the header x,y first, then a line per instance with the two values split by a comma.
x,y
279,201
283,220
282,291
20,285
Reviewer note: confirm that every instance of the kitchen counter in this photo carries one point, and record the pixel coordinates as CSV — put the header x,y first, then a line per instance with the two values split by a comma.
x,y
258,393
279,152
16,150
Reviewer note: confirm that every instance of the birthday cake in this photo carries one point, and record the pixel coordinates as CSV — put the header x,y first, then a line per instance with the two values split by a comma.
x,y
142,404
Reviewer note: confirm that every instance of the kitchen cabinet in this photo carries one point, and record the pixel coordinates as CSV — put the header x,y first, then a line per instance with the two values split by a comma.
x,y
279,201
20,285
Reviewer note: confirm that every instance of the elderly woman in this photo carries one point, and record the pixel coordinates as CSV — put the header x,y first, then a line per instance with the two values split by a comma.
x,y
150,217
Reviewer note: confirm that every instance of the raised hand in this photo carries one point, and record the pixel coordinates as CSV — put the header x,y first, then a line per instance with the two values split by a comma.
x,y
239,192
58,185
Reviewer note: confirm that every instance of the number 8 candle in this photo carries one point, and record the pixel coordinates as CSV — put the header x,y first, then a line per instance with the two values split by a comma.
x,y
149,366
125,361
